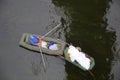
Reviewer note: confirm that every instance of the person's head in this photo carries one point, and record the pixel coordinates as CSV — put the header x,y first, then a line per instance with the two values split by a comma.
x,y
33,39
78,48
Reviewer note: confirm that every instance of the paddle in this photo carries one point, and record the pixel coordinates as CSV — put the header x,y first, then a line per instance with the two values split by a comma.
x,y
51,30
40,47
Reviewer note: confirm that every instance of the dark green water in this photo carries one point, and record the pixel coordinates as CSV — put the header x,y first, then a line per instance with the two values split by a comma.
x,y
91,24
88,29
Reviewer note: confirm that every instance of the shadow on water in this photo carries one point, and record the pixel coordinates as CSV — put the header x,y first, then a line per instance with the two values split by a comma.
x,y
88,29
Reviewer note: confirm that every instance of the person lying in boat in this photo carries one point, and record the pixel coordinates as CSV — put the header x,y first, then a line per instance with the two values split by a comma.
x,y
37,41
76,55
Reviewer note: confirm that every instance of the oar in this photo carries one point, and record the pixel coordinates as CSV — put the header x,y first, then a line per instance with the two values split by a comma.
x,y
51,30
42,58
40,47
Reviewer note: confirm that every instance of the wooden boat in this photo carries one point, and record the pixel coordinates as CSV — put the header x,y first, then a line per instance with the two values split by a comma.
x,y
24,42
92,64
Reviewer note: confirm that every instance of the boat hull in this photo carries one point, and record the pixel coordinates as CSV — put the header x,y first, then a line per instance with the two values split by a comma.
x,y
76,64
24,42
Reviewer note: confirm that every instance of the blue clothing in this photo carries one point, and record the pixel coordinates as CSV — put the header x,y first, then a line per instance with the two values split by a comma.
x,y
50,44
34,40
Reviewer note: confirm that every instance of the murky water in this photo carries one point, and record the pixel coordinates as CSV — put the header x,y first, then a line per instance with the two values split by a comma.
x,y
17,17
91,24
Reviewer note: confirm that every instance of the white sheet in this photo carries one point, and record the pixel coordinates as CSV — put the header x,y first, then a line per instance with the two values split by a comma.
x,y
79,57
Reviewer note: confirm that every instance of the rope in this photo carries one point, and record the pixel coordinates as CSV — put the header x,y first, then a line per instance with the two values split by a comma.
x,y
92,75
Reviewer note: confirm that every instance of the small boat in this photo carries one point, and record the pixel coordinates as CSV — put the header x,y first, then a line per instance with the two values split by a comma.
x,y
92,62
24,42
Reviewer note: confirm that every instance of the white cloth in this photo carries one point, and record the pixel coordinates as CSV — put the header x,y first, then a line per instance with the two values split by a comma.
x,y
79,57
44,44
53,47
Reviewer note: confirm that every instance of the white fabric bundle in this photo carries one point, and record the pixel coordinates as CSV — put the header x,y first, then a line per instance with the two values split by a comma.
x,y
44,44
79,57
53,47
